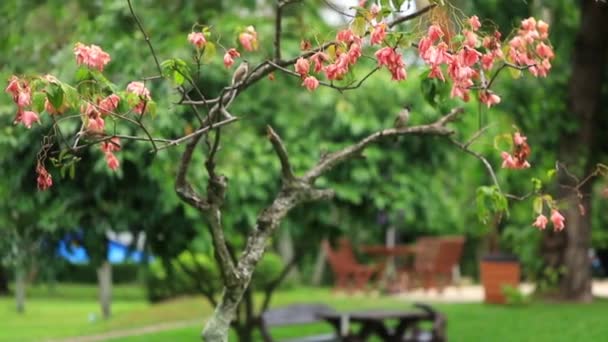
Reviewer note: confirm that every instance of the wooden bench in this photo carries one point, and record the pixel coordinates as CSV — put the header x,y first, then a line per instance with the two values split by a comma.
x,y
298,314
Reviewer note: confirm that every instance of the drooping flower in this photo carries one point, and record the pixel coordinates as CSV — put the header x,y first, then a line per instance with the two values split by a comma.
x,y
302,66
541,222
138,88
318,59
543,29
393,61
311,83
519,139
229,57
92,56
558,220
197,39
27,118
249,39
434,32
44,178
305,45
112,161
544,50
346,36
378,34
111,145
109,104
475,23
489,98
24,98
49,108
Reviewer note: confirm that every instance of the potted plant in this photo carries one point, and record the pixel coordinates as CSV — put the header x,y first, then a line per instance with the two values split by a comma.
x,y
497,269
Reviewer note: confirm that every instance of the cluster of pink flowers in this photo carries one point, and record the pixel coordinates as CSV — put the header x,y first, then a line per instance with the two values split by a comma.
x,y
556,218
44,178
378,34
229,57
95,113
521,152
393,60
302,67
139,89
197,39
21,93
249,39
529,48
92,56
108,148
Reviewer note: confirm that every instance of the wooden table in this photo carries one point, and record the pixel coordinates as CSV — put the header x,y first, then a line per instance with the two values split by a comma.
x,y
374,322
391,280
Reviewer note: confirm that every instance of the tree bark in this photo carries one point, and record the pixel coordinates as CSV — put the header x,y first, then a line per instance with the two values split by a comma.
x,y
104,279
3,281
570,247
20,276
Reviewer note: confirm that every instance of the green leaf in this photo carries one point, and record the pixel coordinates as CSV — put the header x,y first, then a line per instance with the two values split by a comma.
x,y
83,74
537,184
70,95
209,52
538,205
503,142
151,108
398,4
359,25
55,95
551,173
38,102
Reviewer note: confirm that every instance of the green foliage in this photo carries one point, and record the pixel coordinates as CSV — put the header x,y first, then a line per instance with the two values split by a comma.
x,y
514,296
490,201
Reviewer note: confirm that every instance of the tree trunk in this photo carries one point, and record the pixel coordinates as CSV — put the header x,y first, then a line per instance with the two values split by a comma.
x,y
20,276
104,279
317,274
575,151
286,251
3,281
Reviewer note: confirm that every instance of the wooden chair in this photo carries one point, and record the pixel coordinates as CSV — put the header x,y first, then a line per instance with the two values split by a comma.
x,y
434,261
348,272
297,314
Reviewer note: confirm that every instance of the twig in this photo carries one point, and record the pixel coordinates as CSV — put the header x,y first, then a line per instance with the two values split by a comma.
x,y
147,38
485,162
279,148
197,133
408,17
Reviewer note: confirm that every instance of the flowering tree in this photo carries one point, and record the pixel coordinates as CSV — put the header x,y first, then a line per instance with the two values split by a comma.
x,y
464,52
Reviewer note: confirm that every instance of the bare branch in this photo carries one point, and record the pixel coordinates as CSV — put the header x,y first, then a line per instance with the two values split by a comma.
x,y
147,38
182,186
483,159
198,133
333,159
408,17
279,148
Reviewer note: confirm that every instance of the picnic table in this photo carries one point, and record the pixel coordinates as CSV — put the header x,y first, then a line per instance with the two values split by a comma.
x,y
374,322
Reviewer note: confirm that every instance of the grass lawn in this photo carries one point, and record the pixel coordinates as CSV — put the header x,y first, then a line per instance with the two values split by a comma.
x,y
65,316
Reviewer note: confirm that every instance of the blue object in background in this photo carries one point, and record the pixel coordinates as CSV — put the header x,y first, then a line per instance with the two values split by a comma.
x,y
117,253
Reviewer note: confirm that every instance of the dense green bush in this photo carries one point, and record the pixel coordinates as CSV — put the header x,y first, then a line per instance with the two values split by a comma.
x,y
193,273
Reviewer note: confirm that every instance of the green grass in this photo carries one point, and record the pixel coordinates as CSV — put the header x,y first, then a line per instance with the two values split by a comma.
x,y
56,317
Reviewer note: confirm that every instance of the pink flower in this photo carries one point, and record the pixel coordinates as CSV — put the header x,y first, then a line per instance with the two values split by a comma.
x,y
302,66
311,83
345,36
24,98
138,88
393,60
374,10
13,86
519,139
378,34
109,104
434,32
229,57
92,56
44,179
354,53
508,162
541,222
487,61
197,39
249,39
27,118
111,145
96,124
544,51
543,29
528,24
489,98
318,59
474,22
470,38
469,56
558,220
112,161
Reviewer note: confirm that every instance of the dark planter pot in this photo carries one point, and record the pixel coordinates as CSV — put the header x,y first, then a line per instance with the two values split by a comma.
x,y
498,270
